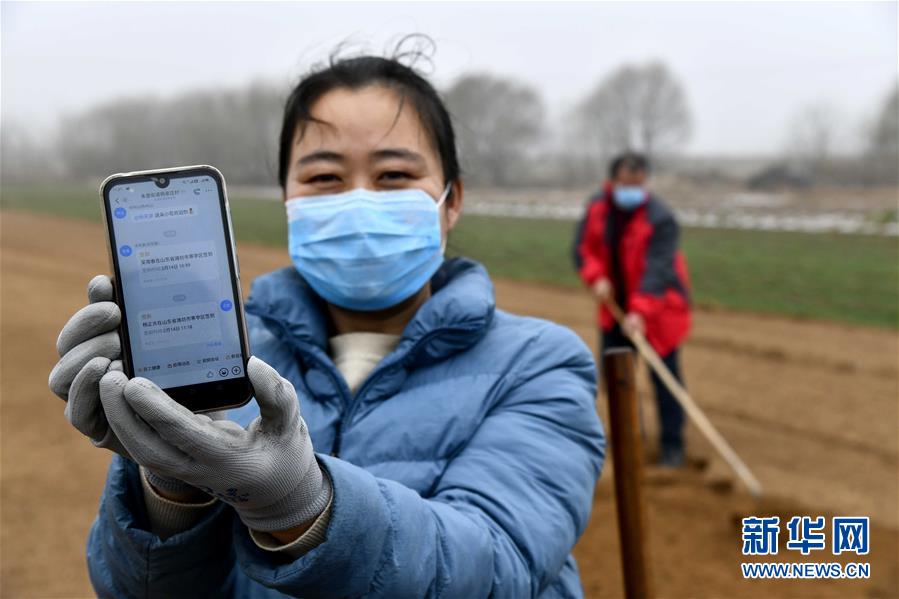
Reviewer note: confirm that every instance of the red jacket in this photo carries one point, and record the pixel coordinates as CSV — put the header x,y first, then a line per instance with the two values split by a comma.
x,y
655,282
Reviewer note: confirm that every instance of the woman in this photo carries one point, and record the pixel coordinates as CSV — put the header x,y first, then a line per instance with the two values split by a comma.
x,y
444,448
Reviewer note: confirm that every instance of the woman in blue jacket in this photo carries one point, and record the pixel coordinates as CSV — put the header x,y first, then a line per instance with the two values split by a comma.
x,y
445,448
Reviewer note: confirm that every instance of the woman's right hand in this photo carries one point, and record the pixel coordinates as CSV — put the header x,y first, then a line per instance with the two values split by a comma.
x,y
89,346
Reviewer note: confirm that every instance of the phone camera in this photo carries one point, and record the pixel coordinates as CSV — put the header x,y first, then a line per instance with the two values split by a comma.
x,y
161,181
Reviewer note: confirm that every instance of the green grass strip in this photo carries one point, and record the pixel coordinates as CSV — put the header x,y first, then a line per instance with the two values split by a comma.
x,y
845,278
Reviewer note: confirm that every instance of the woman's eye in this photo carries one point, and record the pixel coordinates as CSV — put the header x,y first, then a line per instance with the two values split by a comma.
x,y
394,176
323,178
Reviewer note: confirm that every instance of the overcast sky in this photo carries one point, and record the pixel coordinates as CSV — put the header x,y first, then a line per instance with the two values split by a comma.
x,y
747,67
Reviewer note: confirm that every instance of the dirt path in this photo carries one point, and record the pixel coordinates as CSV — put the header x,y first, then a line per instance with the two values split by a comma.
x,y
812,407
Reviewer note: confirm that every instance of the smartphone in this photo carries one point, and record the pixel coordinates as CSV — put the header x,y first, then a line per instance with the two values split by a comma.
x,y
177,283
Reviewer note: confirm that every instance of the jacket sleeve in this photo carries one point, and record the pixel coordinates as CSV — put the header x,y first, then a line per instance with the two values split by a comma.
x,y
579,231
126,560
589,240
503,517
659,274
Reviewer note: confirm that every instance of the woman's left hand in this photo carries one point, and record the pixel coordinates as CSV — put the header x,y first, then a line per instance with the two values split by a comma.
x,y
267,472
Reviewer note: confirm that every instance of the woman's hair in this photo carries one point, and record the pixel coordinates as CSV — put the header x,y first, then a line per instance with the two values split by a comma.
x,y
362,71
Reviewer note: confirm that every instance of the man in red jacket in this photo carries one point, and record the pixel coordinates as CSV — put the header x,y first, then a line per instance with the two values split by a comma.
x,y
627,250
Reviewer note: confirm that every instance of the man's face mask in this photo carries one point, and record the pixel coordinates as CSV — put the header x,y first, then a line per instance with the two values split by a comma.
x,y
628,197
366,250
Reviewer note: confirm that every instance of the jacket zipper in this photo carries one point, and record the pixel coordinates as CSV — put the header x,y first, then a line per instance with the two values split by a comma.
x,y
335,446
338,428
352,400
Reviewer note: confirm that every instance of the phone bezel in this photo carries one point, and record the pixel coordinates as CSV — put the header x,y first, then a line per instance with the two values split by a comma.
x,y
198,397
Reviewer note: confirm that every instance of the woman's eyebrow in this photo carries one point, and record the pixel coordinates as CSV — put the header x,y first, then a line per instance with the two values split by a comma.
x,y
388,153
320,155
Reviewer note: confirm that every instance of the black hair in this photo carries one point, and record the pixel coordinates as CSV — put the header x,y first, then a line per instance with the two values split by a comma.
x,y
362,71
634,161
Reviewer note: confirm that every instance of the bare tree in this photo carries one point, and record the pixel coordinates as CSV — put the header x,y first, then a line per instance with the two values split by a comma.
x,y
23,158
498,121
234,130
883,141
811,136
637,107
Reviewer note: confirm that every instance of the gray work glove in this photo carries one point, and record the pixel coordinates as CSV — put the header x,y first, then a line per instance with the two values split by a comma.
x,y
89,347
267,472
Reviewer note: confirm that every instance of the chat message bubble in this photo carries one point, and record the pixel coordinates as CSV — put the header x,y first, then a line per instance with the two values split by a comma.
x,y
177,263
156,213
179,325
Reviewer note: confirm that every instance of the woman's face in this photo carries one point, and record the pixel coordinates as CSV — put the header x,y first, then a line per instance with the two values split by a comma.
x,y
367,141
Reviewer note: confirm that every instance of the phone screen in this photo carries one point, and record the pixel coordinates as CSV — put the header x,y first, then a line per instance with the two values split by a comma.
x,y
178,294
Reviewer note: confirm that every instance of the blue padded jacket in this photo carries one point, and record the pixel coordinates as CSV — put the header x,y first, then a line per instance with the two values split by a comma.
x,y
463,466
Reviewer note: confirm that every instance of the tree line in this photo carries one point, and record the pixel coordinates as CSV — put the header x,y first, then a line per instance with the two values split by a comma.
x,y
501,123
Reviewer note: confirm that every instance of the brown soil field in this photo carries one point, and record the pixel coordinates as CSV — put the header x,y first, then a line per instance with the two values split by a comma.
x,y
810,406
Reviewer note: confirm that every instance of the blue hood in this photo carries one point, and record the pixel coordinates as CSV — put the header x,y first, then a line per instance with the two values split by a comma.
x,y
456,316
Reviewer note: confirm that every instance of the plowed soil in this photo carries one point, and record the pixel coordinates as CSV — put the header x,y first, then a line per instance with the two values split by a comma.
x,y
811,407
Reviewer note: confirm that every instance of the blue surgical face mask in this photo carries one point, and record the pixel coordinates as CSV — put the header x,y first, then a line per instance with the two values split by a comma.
x,y
628,197
366,250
